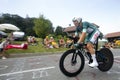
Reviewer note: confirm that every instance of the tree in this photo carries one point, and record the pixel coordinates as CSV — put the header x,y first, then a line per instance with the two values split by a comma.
x,y
25,24
59,31
42,27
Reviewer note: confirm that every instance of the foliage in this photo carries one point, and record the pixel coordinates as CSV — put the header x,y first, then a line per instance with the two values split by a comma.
x,y
39,27
59,31
25,24
42,27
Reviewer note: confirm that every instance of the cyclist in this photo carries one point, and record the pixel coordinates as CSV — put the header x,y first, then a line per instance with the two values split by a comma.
x,y
88,33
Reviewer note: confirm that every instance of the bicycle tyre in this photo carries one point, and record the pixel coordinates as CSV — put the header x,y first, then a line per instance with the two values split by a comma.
x,y
61,63
108,63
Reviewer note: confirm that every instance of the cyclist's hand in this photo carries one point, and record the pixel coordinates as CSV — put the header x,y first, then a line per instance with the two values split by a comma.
x,y
78,45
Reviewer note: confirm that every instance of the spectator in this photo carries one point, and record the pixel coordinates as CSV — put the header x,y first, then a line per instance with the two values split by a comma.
x,y
69,43
10,38
62,42
33,41
109,45
53,43
0,38
46,42
3,47
29,40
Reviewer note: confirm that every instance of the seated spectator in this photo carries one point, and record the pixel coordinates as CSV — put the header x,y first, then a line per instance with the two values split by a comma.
x,y
33,41
69,43
61,42
29,40
53,43
109,45
46,42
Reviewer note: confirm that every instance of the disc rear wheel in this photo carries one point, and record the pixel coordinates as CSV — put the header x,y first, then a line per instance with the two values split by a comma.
x,y
105,59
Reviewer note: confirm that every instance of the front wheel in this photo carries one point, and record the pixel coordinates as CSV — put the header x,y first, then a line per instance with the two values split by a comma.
x,y
71,63
105,59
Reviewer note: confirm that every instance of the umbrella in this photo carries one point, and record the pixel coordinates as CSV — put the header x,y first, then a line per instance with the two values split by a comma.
x,y
9,27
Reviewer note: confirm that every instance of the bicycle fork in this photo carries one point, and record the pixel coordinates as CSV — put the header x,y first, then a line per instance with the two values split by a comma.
x,y
74,58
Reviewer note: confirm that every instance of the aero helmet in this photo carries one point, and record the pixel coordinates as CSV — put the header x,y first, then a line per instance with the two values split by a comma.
x,y
77,19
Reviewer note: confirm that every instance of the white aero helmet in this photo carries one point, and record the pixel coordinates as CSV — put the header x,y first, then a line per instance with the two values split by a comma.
x,y
77,19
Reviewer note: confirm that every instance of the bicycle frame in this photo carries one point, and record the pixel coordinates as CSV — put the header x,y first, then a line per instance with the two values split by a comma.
x,y
84,52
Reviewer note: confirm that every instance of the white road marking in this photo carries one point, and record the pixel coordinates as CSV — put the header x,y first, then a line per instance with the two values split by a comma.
x,y
6,74
3,67
39,74
113,72
117,61
117,57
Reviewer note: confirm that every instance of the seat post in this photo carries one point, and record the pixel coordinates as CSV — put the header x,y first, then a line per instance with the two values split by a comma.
x,y
96,45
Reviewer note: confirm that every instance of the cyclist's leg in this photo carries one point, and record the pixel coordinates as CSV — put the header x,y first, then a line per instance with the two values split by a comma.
x,y
91,40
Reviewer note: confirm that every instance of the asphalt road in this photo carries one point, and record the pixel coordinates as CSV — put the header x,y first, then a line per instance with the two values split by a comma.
x,y
46,67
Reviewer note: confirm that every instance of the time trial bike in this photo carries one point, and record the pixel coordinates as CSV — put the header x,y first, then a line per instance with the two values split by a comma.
x,y
72,61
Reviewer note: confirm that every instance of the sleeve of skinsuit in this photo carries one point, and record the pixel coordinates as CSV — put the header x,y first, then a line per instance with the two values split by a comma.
x,y
85,26
76,32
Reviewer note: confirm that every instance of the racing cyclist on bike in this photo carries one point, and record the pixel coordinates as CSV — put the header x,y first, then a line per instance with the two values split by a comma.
x,y
88,33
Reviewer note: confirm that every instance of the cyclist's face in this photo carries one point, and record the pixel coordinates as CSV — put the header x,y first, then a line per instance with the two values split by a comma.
x,y
76,23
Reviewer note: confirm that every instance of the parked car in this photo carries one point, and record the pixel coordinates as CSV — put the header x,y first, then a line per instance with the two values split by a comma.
x,y
18,35
3,34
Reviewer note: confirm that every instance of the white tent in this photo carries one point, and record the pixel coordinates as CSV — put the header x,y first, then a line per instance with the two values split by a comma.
x,y
9,27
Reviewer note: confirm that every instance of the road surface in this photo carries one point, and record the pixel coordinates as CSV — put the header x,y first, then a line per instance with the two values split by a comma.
x,y
46,67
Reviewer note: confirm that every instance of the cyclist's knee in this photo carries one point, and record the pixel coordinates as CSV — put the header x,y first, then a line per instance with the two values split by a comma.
x,y
89,46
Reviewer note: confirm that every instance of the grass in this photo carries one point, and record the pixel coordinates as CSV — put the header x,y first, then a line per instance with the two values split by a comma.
x,y
40,49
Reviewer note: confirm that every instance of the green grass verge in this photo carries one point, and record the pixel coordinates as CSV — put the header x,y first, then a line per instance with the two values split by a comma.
x,y
40,49
34,49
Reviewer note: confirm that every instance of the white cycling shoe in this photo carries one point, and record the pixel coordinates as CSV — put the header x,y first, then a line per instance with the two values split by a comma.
x,y
93,64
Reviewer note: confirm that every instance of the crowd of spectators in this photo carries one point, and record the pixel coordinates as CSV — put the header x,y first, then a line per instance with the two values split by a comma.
x,y
109,45
51,43
31,40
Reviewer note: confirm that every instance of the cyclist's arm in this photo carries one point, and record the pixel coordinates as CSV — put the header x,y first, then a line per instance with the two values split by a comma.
x,y
82,37
84,32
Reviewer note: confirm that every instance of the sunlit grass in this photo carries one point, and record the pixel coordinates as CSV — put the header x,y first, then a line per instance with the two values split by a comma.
x,y
39,48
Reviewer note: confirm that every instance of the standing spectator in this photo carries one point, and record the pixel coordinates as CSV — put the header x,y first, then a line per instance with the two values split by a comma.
x,y
0,38
3,45
10,38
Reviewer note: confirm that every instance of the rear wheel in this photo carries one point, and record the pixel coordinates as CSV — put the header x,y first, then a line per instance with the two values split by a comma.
x,y
105,59
71,63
